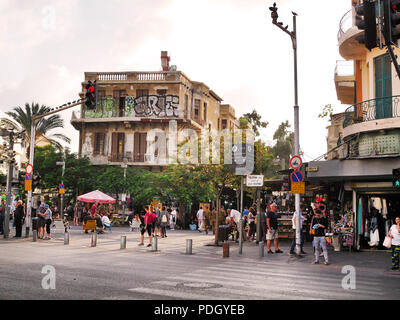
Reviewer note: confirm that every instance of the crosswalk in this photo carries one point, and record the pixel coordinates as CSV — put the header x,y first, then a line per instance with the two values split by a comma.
x,y
260,281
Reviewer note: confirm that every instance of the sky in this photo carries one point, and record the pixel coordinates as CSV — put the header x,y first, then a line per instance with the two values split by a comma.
x,y
230,45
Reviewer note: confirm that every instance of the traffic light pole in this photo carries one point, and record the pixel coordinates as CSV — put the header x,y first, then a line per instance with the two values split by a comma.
x,y
35,119
293,36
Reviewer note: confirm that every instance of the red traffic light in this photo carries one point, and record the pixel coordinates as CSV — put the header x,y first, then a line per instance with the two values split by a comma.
x,y
90,88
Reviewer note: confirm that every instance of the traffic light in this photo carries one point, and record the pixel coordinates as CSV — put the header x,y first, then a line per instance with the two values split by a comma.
x,y
286,185
366,20
391,18
396,178
90,95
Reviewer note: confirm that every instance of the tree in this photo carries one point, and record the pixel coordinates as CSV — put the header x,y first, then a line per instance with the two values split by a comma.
x,y
284,138
254,119
22,120
327,111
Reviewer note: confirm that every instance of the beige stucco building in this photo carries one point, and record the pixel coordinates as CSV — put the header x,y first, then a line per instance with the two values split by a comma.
x,y
130,105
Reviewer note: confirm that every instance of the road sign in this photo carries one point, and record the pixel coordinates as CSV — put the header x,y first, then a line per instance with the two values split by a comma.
x,y
28,177
298,187
295,162
29,169
296,176
254,181
28,185
61,189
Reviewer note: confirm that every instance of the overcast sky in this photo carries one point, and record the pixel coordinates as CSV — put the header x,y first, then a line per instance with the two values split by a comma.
x,y
230,45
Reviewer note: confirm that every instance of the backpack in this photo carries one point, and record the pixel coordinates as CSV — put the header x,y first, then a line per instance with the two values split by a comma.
x,y
164,219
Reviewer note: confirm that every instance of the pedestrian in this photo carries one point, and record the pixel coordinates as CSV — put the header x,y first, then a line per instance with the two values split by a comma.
x,y
272,225
19,217
2,215
251,222
99,223
76,214
146,224
47,216
319,225
41,222
200,219
263,224
93,209
164,218
394,233
235,217
158,220
301,234
172,219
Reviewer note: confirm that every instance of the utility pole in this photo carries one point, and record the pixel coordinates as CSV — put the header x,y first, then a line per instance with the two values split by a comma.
x,y
293,36
62,163
6,228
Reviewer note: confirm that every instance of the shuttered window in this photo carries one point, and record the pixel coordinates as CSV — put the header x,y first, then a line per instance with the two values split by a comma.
x,y
139,146
118,146
99,143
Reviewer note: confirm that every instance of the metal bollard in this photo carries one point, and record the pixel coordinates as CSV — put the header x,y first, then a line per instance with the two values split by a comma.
x,y
189,243
155,243
225,253
93,241
123,242
66,238
261,246
34,232
241,236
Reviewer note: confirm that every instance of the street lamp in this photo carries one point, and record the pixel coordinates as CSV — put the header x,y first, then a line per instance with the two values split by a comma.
x,y
62,163
124,165
293,36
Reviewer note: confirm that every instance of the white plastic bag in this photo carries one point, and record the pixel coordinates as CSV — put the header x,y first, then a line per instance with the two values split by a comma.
x,y
388,242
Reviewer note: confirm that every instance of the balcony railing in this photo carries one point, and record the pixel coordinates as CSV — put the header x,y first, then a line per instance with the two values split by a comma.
x,y
346,23
374,109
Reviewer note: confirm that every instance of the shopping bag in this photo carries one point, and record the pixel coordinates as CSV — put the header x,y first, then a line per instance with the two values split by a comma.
x,y
387,242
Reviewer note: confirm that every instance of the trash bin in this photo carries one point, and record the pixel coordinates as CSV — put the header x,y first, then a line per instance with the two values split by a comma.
x,y
223,233
34,223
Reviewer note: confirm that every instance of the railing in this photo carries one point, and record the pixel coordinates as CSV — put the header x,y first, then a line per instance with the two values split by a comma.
x,y
135,76
153,76
112,76
345,23
380,108
344,68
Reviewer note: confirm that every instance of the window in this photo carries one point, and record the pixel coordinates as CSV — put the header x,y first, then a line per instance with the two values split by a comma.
x,y
118,146
139,146
205,112
196,108
224,124
99,143
101,94
186,105
119,97
161,98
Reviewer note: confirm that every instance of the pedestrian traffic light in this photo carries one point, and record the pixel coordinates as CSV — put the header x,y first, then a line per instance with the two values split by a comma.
x,y
90,95
366,20
391,18
396,177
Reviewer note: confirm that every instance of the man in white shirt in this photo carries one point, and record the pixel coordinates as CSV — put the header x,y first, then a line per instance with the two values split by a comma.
x,y
301,234
172,219
106,221
236,216
200,219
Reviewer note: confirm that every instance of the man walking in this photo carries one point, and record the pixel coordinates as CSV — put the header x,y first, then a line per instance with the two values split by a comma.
x,y
2,215
272,232
319,225
200,219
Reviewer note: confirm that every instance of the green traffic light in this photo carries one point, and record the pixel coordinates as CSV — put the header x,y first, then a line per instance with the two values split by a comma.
x,y
397,183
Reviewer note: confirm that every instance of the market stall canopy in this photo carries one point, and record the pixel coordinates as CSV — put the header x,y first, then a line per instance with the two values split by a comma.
x,y
96,196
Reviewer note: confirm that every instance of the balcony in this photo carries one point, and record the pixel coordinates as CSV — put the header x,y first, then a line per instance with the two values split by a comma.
x,y
136,77
372,115
345,81
349,47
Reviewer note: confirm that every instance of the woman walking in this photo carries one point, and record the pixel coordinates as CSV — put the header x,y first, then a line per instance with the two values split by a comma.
x,y
164,221
394,233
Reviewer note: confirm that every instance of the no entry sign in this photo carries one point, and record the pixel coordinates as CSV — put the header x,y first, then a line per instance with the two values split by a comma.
x,y
295,162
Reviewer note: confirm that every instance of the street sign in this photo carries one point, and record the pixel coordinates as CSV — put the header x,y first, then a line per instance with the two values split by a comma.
x,y
296,176
298,187
254,181
29,169
28,177
28,185
295,162
61,189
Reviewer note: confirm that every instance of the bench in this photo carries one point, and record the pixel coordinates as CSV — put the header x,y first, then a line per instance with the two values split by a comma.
x,y
89,225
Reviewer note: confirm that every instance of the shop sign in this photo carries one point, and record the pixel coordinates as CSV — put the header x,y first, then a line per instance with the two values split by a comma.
x,y
298,187
254,181
312,169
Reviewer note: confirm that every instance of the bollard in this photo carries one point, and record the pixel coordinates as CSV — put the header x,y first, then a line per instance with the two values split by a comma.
x,y
155,243
225,250
34,232
241,236
66,238
93,241
261,248
123,242
189,243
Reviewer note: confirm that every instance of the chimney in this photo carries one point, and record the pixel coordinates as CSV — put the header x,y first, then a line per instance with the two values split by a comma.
x,y
165,60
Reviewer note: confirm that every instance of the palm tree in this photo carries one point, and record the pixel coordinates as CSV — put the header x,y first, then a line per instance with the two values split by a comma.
x,y
22,120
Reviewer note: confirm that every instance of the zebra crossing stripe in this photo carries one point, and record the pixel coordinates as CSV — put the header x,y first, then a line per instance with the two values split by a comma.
x,y
175,294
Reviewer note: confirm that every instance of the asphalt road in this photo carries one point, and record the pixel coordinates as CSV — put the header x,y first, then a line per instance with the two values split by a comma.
x,y
106,272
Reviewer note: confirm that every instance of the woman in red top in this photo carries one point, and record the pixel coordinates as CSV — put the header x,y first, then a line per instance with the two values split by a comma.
x,y
147,224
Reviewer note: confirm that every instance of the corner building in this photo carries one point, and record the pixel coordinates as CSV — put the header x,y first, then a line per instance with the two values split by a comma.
x,y
130,104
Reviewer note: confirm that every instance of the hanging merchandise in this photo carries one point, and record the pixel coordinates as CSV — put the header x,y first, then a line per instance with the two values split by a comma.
x,y
384,208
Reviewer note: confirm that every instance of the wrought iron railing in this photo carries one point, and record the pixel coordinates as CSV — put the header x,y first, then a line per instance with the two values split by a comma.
x,y
380,108
345,23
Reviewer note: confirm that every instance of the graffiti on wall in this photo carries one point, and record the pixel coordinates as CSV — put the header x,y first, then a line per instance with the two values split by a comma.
x,y
153,105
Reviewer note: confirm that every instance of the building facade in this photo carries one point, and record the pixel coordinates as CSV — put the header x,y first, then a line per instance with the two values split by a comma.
x,y
366,135
133,107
